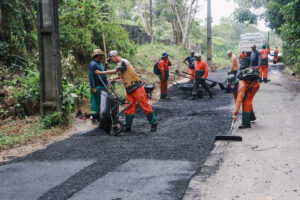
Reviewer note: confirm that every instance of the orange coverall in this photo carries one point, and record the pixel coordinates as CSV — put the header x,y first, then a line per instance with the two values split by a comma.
x,y
276,51
263,69
163,65
244,96
242,55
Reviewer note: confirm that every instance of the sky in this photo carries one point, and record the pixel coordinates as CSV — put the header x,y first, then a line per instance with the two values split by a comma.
x,y
222,8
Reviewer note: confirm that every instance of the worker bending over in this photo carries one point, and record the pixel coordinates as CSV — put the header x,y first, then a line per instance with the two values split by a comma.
x,y
189,61
134,89
276,58
233,63
243,92
263,68
201,73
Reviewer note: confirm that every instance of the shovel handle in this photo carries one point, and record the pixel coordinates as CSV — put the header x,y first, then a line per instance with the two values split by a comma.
x,y
231,128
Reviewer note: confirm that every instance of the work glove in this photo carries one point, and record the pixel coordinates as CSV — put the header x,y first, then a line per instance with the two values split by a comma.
x,y
94,90
228,73
234,117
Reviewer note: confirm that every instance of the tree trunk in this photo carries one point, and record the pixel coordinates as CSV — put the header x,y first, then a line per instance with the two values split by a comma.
x,y
188,22
151,22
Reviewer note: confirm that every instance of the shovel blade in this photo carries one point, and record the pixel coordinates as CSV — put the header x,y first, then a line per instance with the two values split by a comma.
x,y
229,137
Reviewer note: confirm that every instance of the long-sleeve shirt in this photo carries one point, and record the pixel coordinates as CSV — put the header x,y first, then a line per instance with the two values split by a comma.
x,y
201,69
254,58
163,66
94,78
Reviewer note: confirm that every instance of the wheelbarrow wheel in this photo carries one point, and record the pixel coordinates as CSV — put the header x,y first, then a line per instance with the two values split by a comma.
x,y
116,128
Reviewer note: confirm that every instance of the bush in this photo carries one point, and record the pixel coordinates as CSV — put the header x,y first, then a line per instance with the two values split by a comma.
x,y
55,119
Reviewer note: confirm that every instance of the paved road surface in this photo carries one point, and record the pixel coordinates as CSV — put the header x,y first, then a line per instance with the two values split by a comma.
x,y
266,164
137,165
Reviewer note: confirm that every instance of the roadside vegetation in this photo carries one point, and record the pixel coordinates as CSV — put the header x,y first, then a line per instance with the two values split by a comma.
x,y
81,24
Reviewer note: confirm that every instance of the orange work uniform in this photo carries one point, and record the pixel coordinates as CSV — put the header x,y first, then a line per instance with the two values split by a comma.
x,y
242,55
276,51
263,69
244,95
135,93
201,73
163,66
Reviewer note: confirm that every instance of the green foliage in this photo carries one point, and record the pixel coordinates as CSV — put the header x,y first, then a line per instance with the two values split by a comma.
x,y
283,17
244,15
91,19
27,88
54,119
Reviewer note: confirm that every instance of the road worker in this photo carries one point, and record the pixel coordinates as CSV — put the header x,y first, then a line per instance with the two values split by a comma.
x,y
255,57
233,63
242,55
243,92
96,84
163,66
276,58
134,89
189,62
263,68
201,73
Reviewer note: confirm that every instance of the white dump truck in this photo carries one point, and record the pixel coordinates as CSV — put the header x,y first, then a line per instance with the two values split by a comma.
x,y
248,39
246,42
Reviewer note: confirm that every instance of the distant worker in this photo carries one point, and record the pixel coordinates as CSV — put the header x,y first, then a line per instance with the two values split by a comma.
x,y
254,58
96,84
263,68
242,55
243,92
233,63
163,66
134,89
276,58
189,61
201,73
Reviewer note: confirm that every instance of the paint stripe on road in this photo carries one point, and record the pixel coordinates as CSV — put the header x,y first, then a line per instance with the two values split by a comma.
x,y
139,179
29,180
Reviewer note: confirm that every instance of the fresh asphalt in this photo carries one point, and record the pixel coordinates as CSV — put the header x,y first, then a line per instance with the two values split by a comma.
x,y
135,165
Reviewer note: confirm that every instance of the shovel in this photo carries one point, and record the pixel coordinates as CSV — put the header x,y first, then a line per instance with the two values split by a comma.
x,y
213,84
229,136
222,87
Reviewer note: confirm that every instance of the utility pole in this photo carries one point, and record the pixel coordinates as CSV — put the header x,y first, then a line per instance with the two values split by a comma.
x,y
209,45
49,56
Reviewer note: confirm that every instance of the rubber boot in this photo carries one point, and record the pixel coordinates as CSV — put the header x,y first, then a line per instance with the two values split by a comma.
x,y
245,120
252,116
265,80
260,80
127,123
210,95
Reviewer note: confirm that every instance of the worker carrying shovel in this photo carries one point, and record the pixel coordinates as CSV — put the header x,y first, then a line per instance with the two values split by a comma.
x,y
201,73
243,92
134,89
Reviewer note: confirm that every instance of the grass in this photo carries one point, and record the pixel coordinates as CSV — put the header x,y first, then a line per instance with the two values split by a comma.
x,y
16,132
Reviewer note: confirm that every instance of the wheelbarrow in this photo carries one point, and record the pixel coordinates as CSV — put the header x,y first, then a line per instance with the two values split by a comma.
x,y
109,110
149,89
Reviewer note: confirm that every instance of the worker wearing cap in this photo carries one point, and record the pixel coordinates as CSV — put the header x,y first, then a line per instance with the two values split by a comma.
x,y
134,89
233,63
189,61
255,57
263,68
243,92
96,84
276,52
163,66
201,73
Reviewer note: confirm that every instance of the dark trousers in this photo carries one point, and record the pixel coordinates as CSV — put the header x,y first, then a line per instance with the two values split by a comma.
x,y
196,87
234,72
